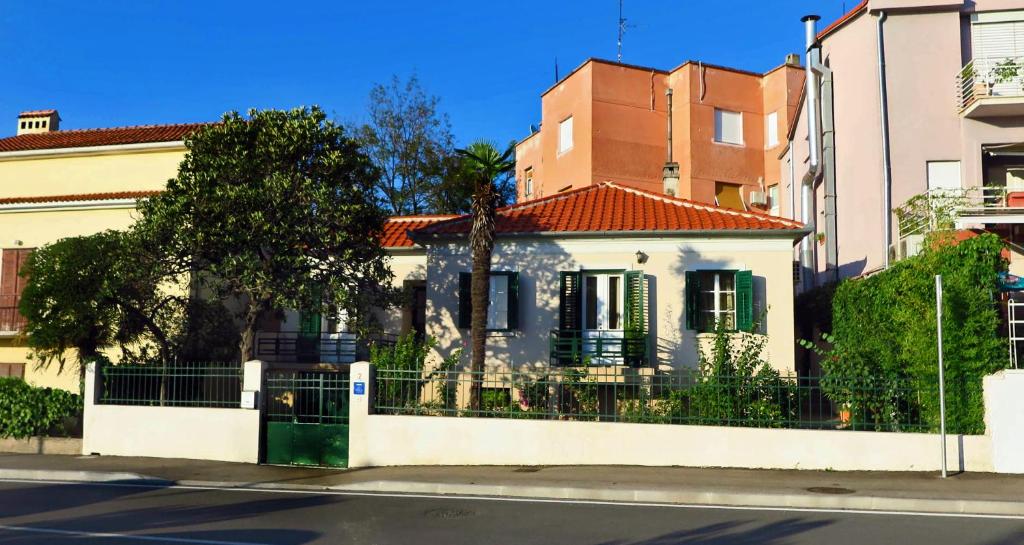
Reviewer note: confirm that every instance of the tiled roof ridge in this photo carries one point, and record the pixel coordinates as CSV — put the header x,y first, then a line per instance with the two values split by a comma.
x,y
127,128
706,207
80,197
423,217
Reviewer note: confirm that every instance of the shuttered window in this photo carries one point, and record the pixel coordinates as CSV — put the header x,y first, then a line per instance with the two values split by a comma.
x,y
716,296
997,40
503,301
728,127
611,305
12,284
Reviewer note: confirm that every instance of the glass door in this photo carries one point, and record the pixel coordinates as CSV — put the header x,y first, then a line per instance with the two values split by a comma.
x,y
602,318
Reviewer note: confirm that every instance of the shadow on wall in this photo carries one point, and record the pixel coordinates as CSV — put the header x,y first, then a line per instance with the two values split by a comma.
x,y
538,264
680,350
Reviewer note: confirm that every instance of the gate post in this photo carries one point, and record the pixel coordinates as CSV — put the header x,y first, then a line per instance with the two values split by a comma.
x,y
362,382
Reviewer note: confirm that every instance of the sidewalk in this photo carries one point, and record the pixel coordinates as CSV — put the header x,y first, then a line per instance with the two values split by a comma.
x,y
969,493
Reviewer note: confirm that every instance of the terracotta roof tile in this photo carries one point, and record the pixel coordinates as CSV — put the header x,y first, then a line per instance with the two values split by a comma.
x,y
142,134
80,197
856,10
35,113
611,207
396,229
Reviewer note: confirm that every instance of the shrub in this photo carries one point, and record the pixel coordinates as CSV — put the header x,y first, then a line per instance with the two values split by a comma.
x,y
736,386
26,410
401,373
885,335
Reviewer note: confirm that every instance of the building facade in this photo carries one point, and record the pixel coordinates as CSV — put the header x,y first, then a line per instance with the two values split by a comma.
x,y
610,121
60,183
897,117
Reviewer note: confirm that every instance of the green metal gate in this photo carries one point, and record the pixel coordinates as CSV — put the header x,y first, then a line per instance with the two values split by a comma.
x,y
307,418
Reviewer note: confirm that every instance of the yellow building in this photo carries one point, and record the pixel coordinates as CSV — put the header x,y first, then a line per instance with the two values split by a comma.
x,y
56,184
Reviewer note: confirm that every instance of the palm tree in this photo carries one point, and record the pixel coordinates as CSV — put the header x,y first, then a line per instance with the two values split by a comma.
x,y
486,165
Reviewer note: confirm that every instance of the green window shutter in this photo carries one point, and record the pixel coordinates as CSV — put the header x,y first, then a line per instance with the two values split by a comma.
x,y
513,300
465,300
692,299
637,327
636,301
744,301
569,315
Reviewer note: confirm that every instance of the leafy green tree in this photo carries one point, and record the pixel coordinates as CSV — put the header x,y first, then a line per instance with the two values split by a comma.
x,y
486,164
275,210
93,292
410,142
454,192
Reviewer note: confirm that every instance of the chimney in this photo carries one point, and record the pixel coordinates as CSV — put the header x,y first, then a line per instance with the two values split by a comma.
x,y
793,59
38,121
670,173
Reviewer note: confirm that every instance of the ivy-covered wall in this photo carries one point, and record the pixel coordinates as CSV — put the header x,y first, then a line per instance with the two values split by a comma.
x,y
884,330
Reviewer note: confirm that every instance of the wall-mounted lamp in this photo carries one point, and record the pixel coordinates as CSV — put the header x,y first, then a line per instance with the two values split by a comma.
x,y
641,257
18,242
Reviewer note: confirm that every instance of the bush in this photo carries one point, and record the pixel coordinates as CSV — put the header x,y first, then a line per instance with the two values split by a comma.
x,y
401,373
736,386
885,334
26,410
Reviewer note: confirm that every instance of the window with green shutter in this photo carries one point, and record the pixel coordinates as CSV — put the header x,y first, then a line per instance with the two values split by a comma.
x,y
637,326
503,305
714,296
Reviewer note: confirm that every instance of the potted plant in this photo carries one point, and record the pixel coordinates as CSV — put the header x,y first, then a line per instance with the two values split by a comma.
x,y
821,239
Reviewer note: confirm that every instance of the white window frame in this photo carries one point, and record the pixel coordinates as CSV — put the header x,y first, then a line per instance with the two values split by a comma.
x,y
603,301
566,129
720,127
771,127
717,312
528,182
497,309
773,199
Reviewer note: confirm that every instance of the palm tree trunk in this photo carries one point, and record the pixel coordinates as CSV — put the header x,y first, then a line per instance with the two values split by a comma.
x,y
481,240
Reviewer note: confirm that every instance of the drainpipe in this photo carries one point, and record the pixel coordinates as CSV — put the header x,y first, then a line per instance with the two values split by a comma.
x,y
807,259
792,182
883,102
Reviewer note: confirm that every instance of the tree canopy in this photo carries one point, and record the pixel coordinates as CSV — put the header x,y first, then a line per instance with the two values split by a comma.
x,y
276,209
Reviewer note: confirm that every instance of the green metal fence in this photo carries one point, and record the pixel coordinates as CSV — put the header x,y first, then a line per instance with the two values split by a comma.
x,y
196,384
307,417
622,394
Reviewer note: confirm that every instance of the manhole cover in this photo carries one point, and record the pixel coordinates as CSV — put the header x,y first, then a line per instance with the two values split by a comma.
x,y
830,490
528,469
449,513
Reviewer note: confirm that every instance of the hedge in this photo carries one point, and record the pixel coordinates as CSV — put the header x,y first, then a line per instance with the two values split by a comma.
x,y
26,410
884,331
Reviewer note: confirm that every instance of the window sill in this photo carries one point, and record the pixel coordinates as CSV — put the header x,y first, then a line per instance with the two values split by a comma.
x,y
729,144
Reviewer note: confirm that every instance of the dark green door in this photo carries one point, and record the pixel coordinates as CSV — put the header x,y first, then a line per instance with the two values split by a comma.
x,y
307,344
307,418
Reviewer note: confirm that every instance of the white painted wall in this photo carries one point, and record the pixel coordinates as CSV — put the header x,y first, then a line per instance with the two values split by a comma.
x,y
1004,419
386,440
199,433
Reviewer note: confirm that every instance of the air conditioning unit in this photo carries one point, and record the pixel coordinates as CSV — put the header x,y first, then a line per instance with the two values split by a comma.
x,y
906,247
758,198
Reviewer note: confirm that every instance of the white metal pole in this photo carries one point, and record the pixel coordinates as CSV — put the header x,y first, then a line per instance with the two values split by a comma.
x,y
942,381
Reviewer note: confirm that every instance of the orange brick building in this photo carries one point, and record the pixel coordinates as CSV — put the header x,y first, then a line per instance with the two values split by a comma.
x,y
609,121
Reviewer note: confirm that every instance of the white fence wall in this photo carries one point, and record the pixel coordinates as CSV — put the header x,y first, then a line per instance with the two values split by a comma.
x,y
199,433
386,440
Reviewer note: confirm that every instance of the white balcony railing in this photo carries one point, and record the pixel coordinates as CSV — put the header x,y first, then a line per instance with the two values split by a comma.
x,y
941,208
989,77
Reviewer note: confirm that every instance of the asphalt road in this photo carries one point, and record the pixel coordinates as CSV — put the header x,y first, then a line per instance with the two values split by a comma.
x,y
91,514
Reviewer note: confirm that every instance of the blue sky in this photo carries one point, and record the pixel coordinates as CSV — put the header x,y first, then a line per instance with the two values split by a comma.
x,y
112,63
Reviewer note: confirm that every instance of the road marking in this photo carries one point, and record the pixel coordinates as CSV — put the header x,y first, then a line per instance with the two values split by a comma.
x,y
78,533
329,492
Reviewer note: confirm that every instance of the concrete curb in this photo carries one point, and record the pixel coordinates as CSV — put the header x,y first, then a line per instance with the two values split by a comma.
x,y
706,497
709,497
80,476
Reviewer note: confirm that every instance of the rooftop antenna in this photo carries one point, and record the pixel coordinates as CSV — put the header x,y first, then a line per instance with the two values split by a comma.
x,y
622,30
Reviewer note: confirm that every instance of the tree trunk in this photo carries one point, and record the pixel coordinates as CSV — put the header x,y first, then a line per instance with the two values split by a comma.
x,y
481,241
247,345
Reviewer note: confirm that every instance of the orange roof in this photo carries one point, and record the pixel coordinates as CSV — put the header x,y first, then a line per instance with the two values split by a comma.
x,y
842,20
610,207
396,229
142,134
80,197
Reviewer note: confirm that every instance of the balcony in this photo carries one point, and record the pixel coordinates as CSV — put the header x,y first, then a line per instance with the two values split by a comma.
x,y
12,322
960,208
991,87
296,347
571,347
